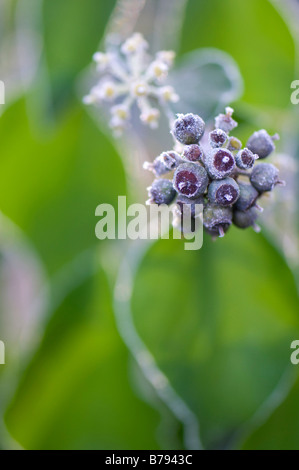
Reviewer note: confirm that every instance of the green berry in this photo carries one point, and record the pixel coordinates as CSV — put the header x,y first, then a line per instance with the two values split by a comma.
x,y
223,192
234,144
245,159
248,196
217,138
217,219
245,219
261,143
220,163
264,177
190,180
193,153
161,192
188,128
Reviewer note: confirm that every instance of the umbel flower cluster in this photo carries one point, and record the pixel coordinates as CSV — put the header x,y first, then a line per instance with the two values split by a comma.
x,y
129,76
223,176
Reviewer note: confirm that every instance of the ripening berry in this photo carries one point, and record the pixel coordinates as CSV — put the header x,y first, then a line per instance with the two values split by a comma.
x,y
220,163
245,159
217,138
245,219
225,121
161,192
234,144
188,128
247,198
193,152
223,192
261,143
217,219
190,180
188,206
264,177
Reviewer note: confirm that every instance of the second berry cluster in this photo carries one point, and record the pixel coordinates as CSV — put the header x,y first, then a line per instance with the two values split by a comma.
x,y
214,174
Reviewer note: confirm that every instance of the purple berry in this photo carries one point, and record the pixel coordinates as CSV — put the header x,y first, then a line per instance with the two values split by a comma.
x,y
193,153
188,129
245,159
220,163
261,143
190,180
217,138
223,192
264,177
161,192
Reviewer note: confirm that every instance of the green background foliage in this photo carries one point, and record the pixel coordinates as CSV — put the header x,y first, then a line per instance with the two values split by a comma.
x,y
218,322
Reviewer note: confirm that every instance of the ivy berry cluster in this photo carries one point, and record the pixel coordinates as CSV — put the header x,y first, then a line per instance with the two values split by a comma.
x,y
220,174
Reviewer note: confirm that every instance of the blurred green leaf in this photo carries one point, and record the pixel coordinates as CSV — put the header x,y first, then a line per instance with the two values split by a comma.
x,y
281,430
69,45
76,392
51,187
257,38
213,80
219,323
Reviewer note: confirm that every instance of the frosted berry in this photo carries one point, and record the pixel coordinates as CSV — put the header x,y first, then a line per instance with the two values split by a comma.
x,y
188,206
217,219
264,177
217,138
188,128
193,153
248,196
164,163
225,121
261,143
234,144
220,163
161,192
223,192
245,159
190,180
245,219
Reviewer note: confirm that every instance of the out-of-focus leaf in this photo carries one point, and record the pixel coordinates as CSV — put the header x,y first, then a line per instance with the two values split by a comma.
x,y
69,45
76,392
206,80
20,272
51,187
219,323
255,35
281,430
